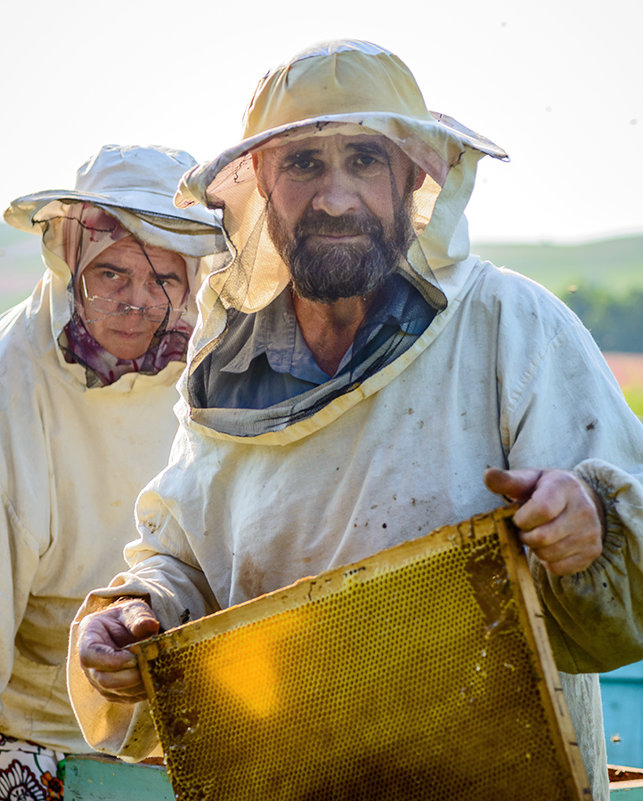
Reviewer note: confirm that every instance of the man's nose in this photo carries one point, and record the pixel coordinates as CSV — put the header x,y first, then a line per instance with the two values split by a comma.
x,y
336,194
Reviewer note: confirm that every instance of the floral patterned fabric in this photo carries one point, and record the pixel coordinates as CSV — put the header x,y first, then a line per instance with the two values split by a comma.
x,y
103,369
29,772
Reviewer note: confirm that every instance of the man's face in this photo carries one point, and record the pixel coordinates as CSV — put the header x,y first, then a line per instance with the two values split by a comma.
x,y
120,278
338,211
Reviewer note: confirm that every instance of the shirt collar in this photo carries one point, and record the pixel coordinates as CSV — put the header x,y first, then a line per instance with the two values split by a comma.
x,y
276,334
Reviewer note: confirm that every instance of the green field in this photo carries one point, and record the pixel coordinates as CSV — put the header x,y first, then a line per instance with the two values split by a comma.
x,y
20,265
614,264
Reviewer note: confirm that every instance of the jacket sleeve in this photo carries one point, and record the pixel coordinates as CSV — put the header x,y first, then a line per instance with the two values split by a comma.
x,y
124,730
562,408
176,589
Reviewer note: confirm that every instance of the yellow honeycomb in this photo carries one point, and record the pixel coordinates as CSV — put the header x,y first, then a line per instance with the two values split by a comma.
x,y
422,672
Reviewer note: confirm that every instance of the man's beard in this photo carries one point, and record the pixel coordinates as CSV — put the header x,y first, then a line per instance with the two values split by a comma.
x,y
326,272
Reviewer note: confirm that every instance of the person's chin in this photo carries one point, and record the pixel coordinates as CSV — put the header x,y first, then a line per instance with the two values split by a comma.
x,y
129,355
130,344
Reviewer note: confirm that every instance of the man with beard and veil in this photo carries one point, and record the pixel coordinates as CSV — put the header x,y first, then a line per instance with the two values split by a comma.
x,y
89,366
354,372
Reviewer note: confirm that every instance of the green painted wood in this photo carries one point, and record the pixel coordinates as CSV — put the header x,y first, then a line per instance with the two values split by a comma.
x,y
95,778
624,794
622,692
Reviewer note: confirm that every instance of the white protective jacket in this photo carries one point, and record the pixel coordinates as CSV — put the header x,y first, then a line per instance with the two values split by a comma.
x,y
73,461
505,376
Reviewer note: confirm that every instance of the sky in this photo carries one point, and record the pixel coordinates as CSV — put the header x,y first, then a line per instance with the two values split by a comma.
x,y
558,84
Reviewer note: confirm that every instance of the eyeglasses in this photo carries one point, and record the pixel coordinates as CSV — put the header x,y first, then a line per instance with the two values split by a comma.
x,y
100,307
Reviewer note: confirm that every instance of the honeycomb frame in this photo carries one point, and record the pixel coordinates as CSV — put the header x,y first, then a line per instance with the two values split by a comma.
x,y
356,683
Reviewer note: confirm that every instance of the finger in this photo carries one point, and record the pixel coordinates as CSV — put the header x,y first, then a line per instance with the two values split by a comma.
x,y
124,699
122,681
95,653
100,647
547,503
120,699
104,635
547,540
562,496
515,484
141,622
106,683
553,544
563,550
566,560
567,567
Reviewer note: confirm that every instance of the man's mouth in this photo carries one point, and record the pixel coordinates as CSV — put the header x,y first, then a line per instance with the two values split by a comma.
x,y
337,237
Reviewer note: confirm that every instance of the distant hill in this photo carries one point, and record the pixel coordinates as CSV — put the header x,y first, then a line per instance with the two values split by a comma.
x,y
20,265
614,264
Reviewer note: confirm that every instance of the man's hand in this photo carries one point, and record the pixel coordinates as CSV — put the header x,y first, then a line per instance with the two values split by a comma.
x,y
102,646
561,518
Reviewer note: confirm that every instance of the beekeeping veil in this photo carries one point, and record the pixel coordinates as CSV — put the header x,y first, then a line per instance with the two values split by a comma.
x,y
122,191
343,87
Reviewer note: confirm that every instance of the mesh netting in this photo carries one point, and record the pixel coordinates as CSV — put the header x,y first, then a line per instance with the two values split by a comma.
x,y
296,242
422,672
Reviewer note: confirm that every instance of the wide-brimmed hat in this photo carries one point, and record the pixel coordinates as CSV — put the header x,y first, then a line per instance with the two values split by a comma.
x,y
136,185
341,87
344,82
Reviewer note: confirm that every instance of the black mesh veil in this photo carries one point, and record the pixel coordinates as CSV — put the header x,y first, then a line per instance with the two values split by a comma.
x,y
76,233
245,375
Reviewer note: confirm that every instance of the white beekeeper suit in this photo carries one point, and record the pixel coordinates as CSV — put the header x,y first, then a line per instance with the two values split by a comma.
x,y
256,497
75,456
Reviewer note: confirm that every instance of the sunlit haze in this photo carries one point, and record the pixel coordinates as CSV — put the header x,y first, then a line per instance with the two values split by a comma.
x,y
558,84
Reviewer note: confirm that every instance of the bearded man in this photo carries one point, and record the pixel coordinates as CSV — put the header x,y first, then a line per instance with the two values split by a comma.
x,y
355,370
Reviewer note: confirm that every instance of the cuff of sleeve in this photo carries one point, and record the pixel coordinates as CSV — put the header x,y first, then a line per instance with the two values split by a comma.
x,y
593,616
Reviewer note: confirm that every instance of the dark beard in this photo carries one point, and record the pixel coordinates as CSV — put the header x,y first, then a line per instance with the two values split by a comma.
x,y
326,272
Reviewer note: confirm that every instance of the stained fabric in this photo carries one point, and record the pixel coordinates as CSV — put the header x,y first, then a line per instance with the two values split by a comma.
x,y
503,375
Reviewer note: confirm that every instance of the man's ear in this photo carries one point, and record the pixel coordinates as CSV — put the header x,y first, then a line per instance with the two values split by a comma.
x,y
420,175
256,166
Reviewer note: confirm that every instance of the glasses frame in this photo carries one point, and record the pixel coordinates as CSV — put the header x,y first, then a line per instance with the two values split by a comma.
x,y
123,308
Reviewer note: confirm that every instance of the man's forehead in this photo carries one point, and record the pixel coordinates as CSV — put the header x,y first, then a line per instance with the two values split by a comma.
x,y
320,143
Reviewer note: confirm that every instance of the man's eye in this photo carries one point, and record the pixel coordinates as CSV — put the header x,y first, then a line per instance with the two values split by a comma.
x,y
301,166
365,162
304,165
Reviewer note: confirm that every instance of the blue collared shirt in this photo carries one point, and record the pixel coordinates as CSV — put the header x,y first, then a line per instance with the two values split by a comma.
x,y
264,359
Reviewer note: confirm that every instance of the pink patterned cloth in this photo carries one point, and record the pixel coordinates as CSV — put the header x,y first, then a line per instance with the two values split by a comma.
x,y
87,231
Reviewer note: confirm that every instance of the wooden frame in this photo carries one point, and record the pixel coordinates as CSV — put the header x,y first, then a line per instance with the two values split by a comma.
x,y
502,590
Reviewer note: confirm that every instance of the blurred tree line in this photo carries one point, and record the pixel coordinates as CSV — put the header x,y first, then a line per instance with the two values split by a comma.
x,y
616,321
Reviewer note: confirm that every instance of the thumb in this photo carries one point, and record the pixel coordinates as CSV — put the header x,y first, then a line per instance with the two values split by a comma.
x,y
516,485
140,620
